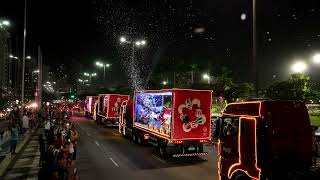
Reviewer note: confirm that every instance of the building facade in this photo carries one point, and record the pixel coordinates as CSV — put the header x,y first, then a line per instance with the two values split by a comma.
x,y
5,64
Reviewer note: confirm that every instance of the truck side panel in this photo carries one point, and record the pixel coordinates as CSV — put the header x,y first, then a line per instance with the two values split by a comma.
x,y
114,103
192,115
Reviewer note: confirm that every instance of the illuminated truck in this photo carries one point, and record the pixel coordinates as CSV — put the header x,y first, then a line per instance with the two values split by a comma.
x,y
107,108
264,140
89,105
176,121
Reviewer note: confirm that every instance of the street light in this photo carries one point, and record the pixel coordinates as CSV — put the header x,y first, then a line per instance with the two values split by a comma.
x,y
13,57
316,58
299,67
164,82
4,23
206,77
122,39
138,43
90,75
104,65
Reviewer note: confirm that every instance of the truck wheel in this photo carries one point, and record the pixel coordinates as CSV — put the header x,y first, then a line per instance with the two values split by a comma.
x,y
163,152
139,140
134,137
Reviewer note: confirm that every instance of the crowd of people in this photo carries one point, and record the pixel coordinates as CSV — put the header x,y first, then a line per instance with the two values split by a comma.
x,y
19,128
58,147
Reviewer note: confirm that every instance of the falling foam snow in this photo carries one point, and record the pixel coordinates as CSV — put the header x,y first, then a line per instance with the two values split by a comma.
x,y
157,21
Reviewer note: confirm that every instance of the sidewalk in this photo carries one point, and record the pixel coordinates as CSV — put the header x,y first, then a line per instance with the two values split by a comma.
x,y
26,164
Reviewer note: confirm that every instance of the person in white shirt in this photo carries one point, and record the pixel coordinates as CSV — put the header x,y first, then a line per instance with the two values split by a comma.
x,y
25,123
47,127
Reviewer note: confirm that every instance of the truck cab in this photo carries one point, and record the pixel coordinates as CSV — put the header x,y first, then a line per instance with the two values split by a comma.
x,y
264,140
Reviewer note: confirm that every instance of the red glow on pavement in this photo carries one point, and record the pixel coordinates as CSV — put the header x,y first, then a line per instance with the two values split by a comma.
x,y
78,118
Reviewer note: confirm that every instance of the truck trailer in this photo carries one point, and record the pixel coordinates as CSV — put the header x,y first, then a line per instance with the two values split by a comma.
x,y
176,121
107,108
265,140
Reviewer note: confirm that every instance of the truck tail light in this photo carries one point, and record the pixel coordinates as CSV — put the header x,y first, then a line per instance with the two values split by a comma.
x,y
178,142
203,141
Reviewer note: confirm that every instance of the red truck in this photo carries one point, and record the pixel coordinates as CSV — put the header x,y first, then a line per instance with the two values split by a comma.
x,y
264,140
176,121
89,105
107,108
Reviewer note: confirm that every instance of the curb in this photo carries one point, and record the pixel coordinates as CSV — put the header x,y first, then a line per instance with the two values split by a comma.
x,y
7,161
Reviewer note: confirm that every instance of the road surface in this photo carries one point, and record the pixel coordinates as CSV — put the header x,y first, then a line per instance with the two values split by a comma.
x,y
104,154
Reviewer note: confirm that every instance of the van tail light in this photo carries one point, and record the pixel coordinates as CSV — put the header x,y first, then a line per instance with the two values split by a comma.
x,y
178,142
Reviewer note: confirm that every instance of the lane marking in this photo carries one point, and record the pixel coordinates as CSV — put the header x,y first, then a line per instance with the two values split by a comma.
x,y
97,143
159,158
116,164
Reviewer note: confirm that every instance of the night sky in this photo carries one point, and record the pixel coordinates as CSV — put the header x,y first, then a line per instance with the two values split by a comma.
x,y
207,31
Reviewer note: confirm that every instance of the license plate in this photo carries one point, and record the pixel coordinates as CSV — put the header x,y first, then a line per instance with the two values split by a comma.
x,y
192,148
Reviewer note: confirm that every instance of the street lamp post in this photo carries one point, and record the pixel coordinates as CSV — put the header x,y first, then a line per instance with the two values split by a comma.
x,y
23,55
104,65
254,47
23,71
90,76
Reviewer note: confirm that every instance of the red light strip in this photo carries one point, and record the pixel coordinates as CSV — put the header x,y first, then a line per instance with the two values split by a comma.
x,y
237,166
247,115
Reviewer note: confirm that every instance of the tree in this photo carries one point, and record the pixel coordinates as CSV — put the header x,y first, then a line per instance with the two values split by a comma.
x,y
223,82
297,87
301,85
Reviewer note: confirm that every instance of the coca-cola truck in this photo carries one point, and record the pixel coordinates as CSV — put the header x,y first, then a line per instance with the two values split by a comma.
x,y
264,140
176,121
107,108
89,105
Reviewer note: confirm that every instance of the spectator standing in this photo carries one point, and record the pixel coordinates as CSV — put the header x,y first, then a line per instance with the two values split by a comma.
x,y
74,140
47,127
42,150
25,123
14,139
31,120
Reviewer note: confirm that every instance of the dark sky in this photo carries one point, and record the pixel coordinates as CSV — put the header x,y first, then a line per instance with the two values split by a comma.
x,y
80,31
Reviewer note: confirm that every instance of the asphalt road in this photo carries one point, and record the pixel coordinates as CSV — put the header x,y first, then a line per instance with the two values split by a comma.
x,y
104,154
